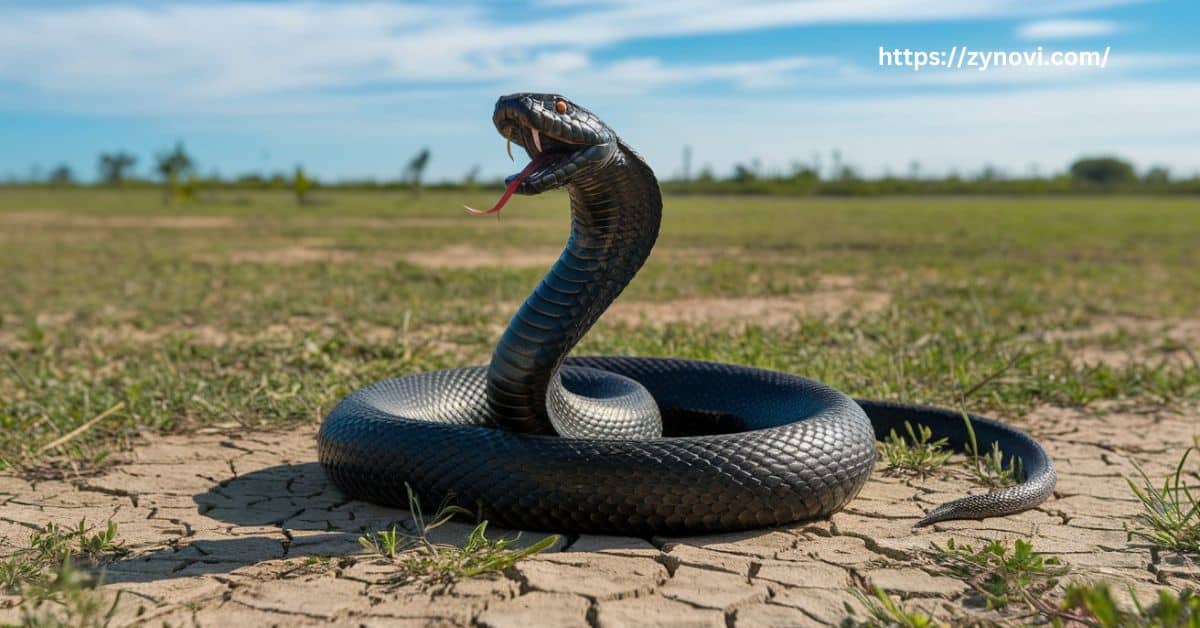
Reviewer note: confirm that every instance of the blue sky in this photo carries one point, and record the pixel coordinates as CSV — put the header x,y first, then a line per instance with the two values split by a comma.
x,y
354,89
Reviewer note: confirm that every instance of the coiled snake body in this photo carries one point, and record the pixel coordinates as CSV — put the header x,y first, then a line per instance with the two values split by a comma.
x,y
537,440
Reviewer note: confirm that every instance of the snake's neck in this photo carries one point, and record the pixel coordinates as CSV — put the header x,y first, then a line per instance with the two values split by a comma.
x,y
615,217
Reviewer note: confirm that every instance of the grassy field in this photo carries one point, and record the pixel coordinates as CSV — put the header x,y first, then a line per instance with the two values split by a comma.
x,y
246,309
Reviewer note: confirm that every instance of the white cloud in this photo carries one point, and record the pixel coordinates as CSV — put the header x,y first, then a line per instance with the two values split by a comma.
x,y
642,74
325,83
1066,29
175,56
1147,121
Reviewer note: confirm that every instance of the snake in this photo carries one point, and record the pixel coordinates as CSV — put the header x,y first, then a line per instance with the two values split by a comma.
x,y
640,446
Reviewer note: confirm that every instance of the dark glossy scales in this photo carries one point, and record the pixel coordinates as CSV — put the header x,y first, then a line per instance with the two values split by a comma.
x,y
652,446
798,450
801,450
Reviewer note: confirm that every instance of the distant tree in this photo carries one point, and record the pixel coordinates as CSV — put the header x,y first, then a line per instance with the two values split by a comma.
x,y
61,175
114,167
706,174
803,171
278,181
252,180
803,176
1157,175
173,166
743,173
416,168
846,172
1102,170
989,173
301,185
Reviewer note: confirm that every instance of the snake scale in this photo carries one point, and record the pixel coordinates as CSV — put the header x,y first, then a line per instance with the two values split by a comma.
x,y
624,445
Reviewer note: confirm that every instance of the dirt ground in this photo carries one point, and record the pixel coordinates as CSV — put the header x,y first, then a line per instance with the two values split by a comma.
x,y
221,528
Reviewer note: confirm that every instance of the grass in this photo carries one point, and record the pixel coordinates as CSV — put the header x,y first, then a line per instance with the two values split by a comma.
x,y
52,547
417,556
67,600
916,454
111,299
1094,605
1002,574
122,317
1170,516
989,468
47,576
477,556
884,612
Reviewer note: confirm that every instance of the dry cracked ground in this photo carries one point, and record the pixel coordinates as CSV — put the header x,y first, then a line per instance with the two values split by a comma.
x,y
221,528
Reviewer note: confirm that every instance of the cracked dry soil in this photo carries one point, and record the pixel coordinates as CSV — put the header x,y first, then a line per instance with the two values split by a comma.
x,y
221,528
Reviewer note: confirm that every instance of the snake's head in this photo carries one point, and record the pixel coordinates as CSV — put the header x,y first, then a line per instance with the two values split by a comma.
x,y
562,139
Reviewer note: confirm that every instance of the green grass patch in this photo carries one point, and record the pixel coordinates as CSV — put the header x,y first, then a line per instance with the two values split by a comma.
x,y
111,298
53,575
915,454
1170,515
881,611
418,557
989,468
1094,605
1002,574
1025,587
53,546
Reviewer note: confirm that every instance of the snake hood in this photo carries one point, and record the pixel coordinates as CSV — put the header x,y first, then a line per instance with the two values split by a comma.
x,y
564,141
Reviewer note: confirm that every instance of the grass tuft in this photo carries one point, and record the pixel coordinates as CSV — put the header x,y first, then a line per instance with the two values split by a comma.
x,y
915,454
1001,575
50,548
1170,516
989,468
386,543
67,599
46,575
479,555
884,612
419,557
1094,605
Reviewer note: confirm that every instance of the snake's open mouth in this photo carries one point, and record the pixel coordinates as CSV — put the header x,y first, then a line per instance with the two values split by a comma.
x,y
513,183
561,138
547,156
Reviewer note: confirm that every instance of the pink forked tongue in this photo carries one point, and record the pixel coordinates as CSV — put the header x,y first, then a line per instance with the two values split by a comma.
x,y
508,192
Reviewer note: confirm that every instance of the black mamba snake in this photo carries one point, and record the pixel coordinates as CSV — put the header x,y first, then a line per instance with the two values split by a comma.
x,y
624,445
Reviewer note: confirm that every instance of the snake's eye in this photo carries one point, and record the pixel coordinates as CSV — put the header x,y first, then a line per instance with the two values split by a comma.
x,y
560,106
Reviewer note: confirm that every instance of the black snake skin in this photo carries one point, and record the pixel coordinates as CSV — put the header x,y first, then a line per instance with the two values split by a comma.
x,y
624,445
